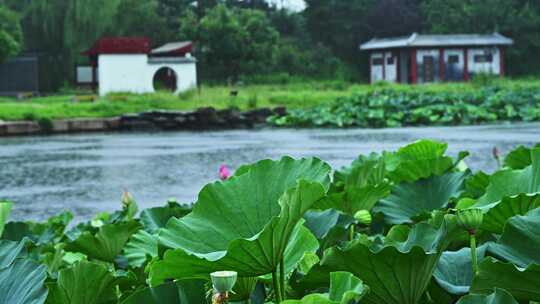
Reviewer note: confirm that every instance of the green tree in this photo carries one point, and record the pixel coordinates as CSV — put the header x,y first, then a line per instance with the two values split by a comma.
x,y
11,37
141,18
232,41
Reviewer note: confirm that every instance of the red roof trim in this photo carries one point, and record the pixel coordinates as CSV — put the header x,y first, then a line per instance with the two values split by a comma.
x,y
119,45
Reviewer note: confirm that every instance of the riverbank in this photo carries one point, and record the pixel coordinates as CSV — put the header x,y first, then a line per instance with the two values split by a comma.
x,y
158,120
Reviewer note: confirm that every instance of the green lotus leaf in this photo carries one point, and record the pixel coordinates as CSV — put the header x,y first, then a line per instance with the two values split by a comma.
x,y
23,283
321,222
412,199
499,296
454,270
83,283
10,250
364,170
396,272
418,160
107,243
498,213
141,245
179,264
520,240
519,158
245,223
476,184
353,198
154,218
345,288
183,291
513,182
5,210
522,283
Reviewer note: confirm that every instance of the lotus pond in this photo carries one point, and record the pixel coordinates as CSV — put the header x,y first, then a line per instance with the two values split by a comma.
x,y
408,226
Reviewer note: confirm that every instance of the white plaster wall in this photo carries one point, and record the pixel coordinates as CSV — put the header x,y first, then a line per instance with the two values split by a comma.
x,y
492,67
132,73
391,69
376,70
123,73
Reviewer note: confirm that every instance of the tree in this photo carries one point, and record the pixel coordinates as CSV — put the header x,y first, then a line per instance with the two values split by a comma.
x,y
11,37
232,41
141,18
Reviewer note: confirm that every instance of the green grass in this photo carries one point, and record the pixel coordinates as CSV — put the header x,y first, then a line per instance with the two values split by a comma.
x,y
293,96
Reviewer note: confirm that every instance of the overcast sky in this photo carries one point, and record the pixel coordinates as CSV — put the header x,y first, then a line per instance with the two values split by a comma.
x,y
296,5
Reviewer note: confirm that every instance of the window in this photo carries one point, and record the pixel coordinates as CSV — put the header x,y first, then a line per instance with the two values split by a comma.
x,y
452,59
390,60
483,58
377,61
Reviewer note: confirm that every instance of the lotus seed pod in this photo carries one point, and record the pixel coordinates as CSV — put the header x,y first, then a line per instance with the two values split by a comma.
x,y
223,281
363,217
470,219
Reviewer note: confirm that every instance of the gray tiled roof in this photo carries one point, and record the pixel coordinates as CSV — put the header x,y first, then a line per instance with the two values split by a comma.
x,y
417,40
169,47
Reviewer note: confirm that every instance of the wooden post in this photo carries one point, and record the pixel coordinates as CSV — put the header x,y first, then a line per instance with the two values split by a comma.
x,y
465,64
414,69
501,61
441,65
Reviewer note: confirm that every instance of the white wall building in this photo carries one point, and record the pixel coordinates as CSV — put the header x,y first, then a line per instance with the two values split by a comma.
x,y
129,65
435,58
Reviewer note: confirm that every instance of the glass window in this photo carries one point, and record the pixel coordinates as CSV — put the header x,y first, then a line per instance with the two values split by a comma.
x,y
483,58
377,61
453,59
390,60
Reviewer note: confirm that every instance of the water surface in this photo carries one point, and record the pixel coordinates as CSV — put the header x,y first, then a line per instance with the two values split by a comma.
x,y
86,173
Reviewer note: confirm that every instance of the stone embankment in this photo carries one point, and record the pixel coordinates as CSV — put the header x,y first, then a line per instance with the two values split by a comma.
x,y
158,120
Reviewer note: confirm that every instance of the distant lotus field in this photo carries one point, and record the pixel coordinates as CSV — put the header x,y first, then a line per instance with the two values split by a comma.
x,y
411,226
394,107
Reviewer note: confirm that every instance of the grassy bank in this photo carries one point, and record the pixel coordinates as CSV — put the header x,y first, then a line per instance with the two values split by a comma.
x,y
255,96
307,95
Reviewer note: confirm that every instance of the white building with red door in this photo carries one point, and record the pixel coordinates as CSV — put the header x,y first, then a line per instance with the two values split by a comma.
x,y
435,58
129,64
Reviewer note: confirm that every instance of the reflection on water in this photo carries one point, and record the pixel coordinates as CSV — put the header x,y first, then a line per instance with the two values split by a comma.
x,y
87,173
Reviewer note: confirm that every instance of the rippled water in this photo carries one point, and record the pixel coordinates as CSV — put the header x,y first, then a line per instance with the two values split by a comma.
x,y
87,173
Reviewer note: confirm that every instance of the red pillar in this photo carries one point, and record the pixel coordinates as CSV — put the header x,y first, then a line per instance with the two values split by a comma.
x,y
384,65
398,68
369,66
501,61
441,64
465,64
414,69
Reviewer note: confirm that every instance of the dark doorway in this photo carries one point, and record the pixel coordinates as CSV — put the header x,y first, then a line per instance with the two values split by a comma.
x,y
165,80
429,68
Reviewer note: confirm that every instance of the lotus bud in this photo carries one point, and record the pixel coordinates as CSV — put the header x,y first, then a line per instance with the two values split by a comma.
x,y
363,217
223,281
127,199
470,219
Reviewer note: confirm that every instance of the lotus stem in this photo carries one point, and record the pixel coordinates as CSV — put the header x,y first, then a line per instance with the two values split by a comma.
x,y
282,277
474,258
220,297
277,290
351,232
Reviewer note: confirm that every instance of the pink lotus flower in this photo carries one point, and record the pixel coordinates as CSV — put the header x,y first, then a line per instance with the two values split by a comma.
x,y
224,172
